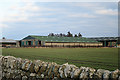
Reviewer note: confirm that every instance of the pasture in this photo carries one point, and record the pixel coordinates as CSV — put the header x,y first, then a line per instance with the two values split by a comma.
x,y
105,58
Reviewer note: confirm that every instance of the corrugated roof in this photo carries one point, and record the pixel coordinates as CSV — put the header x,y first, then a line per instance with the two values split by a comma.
x,y
60,39
7,41
104,38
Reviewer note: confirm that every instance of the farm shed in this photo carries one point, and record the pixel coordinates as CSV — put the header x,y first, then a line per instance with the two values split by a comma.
x,y
7,43
108,41
49,41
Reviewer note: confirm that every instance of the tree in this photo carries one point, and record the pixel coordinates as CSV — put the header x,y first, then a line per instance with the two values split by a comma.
x,y
51,34
61,34
69,34
79,35
75,35
3,37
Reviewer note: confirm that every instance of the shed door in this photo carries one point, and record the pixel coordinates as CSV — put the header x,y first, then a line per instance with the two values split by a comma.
x,y
29,43
39,43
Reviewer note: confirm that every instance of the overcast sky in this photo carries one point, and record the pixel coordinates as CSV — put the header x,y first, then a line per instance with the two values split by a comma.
x,y
91,19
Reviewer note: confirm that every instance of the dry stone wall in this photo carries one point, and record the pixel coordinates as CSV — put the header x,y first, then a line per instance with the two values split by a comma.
x,y
24,69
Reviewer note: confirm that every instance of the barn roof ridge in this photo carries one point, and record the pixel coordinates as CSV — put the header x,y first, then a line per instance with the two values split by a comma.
x,y
54,36
60,39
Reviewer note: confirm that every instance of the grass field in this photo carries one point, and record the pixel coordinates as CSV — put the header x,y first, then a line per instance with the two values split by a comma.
x,y
105,58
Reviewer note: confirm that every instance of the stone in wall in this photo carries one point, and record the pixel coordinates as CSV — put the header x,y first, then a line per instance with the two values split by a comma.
x,y
115,74
24,69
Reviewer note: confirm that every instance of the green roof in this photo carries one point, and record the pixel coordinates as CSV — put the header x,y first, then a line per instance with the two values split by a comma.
x,y
60,39
105,38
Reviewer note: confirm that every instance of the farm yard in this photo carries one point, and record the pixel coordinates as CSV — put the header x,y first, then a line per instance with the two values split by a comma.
x,y
105,58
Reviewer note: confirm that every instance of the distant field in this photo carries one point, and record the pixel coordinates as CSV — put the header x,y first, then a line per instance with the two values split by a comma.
x,y
105,58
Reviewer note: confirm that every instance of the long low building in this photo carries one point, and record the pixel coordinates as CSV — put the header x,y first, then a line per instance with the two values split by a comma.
x,y
108,41
49,41
7,43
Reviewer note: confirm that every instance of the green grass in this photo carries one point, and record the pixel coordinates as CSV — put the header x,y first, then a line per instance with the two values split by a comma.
x,y
105,58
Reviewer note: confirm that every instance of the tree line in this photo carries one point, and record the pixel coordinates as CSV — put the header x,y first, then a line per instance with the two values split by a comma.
x,y
69,34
